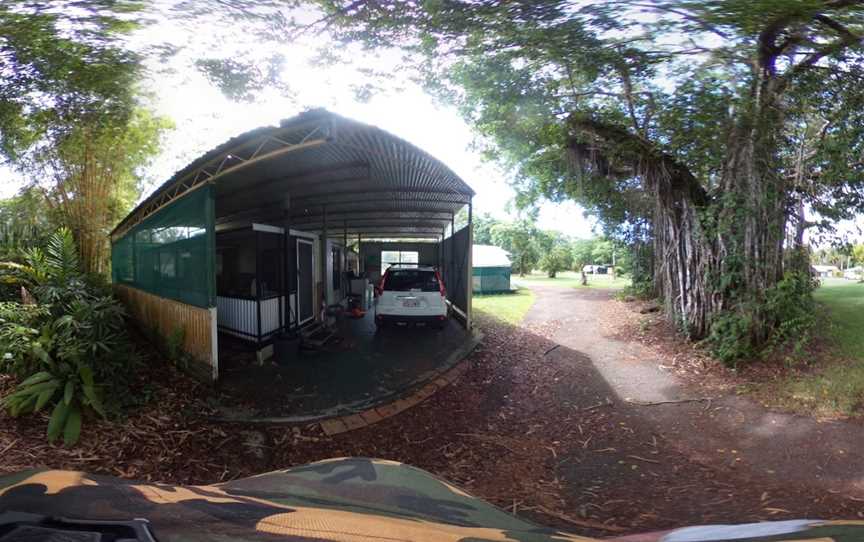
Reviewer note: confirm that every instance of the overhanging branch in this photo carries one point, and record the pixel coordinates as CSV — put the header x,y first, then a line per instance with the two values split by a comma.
x,y
640,153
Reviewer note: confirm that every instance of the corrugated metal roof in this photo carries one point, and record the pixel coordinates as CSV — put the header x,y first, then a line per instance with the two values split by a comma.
x,y
489,256
365,180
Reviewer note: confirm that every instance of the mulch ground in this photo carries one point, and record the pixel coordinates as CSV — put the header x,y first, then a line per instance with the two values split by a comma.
x,y
692,363
517,430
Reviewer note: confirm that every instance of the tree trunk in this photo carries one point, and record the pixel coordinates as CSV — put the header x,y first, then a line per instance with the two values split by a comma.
x,y
752,216
711,255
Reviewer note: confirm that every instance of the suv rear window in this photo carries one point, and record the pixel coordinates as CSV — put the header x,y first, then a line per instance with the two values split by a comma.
x,y
405,280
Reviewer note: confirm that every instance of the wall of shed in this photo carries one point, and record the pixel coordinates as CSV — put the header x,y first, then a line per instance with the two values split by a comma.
x,y
491,280
171,253
457,271
164,272
160,318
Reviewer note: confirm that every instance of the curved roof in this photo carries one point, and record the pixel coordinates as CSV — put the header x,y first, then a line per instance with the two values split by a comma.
x,y
320,165
489,256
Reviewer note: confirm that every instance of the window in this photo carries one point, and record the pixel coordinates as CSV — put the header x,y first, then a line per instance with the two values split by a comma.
x,y
407,280
167,269
405,258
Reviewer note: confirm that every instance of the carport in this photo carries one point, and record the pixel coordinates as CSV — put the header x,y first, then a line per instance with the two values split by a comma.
x,y
269,231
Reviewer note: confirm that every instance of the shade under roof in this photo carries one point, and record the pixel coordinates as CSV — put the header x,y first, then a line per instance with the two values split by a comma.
x,y
317,166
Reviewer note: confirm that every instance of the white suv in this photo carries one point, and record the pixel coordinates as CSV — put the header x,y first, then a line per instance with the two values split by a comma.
x,y
411,294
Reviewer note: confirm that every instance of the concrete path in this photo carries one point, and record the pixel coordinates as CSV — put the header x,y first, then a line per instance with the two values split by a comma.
x,y
729,431
627,367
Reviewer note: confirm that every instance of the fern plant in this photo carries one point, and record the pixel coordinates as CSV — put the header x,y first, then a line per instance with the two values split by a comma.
x,y
69,346
67,384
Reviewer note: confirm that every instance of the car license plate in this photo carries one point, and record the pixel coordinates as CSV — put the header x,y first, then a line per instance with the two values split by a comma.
x,y
411,303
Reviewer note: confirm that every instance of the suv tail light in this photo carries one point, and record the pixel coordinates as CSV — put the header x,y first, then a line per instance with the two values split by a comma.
x,y
380,289
441,287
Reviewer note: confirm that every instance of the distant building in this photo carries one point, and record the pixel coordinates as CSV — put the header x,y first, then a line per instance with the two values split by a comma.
x,y
491,274
826,271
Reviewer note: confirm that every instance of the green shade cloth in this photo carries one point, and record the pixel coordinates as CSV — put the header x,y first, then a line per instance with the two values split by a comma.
x,y
171,253
491,280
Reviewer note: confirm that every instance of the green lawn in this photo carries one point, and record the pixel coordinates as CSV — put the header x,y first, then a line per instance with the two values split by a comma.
x,y
845,301
510,308
837,388
572,279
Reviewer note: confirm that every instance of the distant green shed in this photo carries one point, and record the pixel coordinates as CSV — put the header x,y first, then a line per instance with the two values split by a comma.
x,y
491,269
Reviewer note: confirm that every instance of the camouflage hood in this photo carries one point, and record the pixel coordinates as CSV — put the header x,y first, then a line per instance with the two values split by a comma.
x,y
334,500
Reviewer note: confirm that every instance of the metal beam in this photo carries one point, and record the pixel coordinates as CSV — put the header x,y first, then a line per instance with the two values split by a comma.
x,y
301,177
368,238
209,172
443,214
332,193
462,197
368,233
387,228
315,221
373,221
254,196
275,209
352,228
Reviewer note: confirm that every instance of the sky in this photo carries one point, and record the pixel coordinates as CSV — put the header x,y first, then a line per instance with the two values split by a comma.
x,y
204,117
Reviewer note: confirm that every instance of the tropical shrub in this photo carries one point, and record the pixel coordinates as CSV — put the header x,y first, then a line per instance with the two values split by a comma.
x,y
19,329
791,303
788,305
70,387
70,351
555,260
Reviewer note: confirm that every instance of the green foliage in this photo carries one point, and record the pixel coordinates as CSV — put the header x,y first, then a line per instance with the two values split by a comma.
x,y
582,253
61,67
174,343
650,113
839,255
19,331
510,308
836,387
637,290
24,223
602,252
12,278
519,239
559,258
730,340
483,225
70,350
788,305
791,305
68,386
73,119
858,254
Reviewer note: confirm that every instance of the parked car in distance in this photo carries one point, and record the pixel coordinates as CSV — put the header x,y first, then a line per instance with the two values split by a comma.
x,y
854,273
594,269
411,294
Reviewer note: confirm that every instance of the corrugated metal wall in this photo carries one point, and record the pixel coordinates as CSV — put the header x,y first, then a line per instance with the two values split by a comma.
x,y
456,268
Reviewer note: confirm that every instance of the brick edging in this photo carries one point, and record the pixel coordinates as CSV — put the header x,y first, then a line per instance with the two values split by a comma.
x,y
359,420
